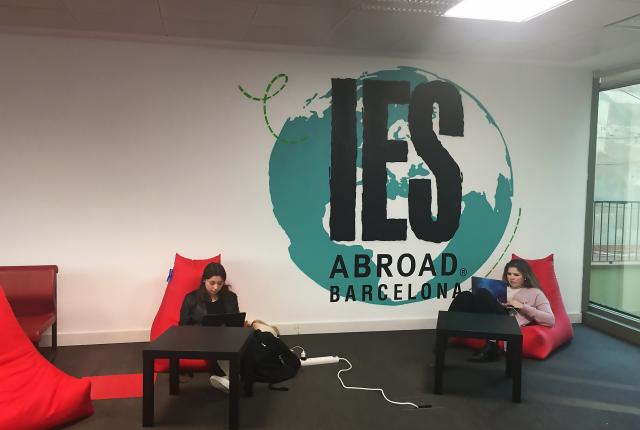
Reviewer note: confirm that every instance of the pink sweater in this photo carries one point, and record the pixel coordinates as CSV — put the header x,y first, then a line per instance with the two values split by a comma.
x,y
536,308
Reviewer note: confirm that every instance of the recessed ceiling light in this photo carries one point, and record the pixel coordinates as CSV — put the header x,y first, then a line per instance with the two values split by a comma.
x,y
503,10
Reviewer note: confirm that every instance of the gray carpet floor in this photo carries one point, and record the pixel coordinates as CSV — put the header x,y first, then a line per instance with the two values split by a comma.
x,y
592,383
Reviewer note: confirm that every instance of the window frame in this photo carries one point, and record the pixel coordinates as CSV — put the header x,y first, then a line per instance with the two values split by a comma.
x,y
602,318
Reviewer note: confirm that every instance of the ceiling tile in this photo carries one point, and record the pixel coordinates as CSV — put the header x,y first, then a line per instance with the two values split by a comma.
x,y
285,36
99,22
319,3
514,39
39,18
632,22
570,35
128,8
41,4
297,16
227,31
369,30
237,11
589,13
424,33
617,37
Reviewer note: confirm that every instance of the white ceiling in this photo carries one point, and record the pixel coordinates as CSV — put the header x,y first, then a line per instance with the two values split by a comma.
x,y
598,34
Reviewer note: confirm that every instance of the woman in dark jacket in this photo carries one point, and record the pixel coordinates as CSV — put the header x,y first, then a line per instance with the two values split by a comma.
x,y
212,297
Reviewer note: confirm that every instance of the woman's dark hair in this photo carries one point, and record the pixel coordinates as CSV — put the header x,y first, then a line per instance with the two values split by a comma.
x,y
530,280
212,269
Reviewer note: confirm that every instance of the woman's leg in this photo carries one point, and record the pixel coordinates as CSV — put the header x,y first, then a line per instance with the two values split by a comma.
x,y
224,365
486,303
221,382
464,302
481,301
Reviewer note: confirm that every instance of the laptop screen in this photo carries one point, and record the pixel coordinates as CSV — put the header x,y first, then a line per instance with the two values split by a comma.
x,y
227,320
497,287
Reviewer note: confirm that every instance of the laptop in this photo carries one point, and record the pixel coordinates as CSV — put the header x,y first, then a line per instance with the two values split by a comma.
x,y
497,287
227,320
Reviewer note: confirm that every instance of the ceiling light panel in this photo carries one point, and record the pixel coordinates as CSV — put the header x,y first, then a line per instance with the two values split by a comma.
x,y
503,10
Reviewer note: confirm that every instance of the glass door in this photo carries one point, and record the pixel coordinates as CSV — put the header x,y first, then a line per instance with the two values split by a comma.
x,y
614,285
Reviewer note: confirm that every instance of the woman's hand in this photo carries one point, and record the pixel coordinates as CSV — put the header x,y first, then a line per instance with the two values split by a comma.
x,y
516,304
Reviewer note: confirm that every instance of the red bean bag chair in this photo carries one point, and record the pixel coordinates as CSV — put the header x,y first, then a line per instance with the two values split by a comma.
x,y
185,277
34,394
539,341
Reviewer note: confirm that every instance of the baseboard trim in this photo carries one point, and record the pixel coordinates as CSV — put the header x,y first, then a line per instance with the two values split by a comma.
x,y
311,327
373,325
317,327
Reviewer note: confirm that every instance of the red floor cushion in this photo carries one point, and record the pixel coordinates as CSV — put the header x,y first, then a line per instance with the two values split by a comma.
x,y
539,341
121,386
34,394
185,278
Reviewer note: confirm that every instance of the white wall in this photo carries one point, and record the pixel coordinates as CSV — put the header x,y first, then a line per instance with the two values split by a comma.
x,y
116,155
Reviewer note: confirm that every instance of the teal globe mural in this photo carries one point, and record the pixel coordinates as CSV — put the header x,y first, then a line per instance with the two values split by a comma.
x,y
299,172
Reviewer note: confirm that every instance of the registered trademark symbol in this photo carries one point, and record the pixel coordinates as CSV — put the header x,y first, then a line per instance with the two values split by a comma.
x,y
463,272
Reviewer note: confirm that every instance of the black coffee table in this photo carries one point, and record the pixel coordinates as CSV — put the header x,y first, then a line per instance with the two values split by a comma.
x,y
198,342
483,326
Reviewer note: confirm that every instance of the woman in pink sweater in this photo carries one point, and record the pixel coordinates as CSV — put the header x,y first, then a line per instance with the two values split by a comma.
x,y
525,301
525,296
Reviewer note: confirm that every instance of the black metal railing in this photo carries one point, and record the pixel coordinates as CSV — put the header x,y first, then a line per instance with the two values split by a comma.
x,y
616,231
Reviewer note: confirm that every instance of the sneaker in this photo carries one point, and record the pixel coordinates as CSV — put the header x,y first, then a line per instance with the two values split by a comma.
x,y
490,352
220,382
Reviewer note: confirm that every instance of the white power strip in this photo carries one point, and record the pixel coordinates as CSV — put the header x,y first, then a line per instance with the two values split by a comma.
x,y
329,359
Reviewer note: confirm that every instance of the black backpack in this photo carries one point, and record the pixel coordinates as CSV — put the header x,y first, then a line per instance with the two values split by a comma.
x,y
268,359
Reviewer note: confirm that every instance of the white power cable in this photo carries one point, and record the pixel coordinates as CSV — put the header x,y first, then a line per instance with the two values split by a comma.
x,y
369,389
303,356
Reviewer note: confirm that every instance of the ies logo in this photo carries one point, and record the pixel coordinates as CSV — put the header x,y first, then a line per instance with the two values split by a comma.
x,y
393,188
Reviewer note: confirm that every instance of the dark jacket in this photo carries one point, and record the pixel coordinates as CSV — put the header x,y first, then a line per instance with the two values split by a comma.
x,y
193,310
